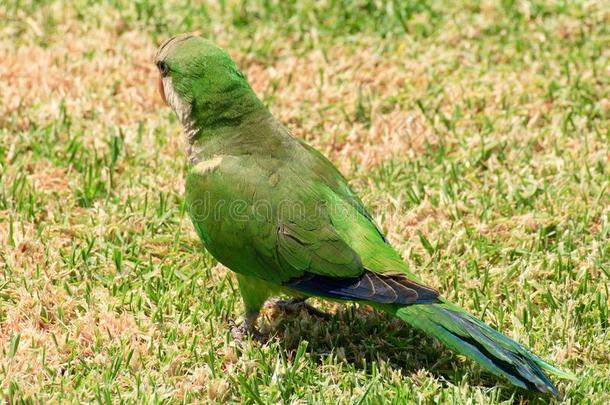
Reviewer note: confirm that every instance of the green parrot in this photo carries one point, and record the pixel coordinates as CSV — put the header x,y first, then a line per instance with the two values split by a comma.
x,y
279,214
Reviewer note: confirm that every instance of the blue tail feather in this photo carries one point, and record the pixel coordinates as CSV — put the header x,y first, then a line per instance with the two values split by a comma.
x,y
471,337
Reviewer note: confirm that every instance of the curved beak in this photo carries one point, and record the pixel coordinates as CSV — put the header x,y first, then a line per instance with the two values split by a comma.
x,y
161,90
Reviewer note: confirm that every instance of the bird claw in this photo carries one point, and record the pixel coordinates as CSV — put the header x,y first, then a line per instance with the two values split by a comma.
x,y
248,326
296,305
240,333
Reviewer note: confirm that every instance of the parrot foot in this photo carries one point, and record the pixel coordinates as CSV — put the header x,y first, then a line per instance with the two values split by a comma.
x,y
247,327
296,305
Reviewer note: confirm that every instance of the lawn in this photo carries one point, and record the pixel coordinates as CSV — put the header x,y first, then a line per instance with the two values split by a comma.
x,y
477,133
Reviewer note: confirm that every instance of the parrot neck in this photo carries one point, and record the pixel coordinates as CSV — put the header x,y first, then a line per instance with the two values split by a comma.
x,y
257,133
228,107
209,115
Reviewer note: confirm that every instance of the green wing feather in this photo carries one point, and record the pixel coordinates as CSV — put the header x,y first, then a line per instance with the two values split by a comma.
x,y
274,221
319,250
312,223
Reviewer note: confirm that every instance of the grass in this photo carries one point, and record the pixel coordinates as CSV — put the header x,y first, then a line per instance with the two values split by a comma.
x,y
477,133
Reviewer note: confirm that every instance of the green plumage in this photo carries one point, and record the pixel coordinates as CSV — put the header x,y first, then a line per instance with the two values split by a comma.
x,y
281,216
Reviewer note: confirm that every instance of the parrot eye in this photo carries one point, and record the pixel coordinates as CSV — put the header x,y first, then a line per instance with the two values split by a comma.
x,y
163,68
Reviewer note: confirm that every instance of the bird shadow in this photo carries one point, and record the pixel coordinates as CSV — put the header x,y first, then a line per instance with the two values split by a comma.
x,y
366,338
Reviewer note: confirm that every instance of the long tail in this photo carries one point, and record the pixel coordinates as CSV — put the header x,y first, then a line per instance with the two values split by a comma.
x,y
497,353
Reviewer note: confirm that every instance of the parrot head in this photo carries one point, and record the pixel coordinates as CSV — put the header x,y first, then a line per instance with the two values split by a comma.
x,y
201,83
